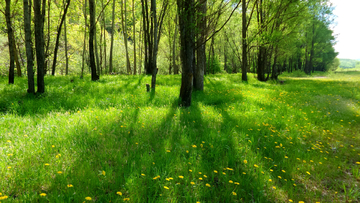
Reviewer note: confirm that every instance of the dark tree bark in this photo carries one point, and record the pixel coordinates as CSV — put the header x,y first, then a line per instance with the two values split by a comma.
x,y
39,45
186,18
66,47
201,45
29,56
94,75
84,48
244,43
58,38
112,38
11,42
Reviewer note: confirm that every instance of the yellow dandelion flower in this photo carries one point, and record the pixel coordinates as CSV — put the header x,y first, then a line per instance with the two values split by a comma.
x,y
358,162
103,172
245,161
52,146
283,171
59,172
290,200
236,183
88,198
126,199
166,187
256,166
194,146
192,183
143,174
270,180
286,157
215,171
274,187
181,177
279,177
230,181
3,197
190,170
230,169
47,164
294,185
69,185
42,194
167,150
308,172
301,202
200,178
207,185
119,193
234,193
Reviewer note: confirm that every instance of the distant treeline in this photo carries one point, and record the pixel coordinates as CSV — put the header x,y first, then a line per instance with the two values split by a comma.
x,y
349,63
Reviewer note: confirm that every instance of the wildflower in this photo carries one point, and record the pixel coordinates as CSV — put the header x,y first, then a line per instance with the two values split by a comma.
x,y
208,185
244,173
230,169
190,170
294,185
192,183
167,150
42,194
9,167
88,198
181,177
274,187
286,157
236,183
52,146
126,199
200,178
245,161
143,174
290,200
279,177
308,172
234,193
358,162
166,187
156,177
3,197
256,166
230,181
47,164
270,180
215,171
301,202
283,171
119,193
69,185
194,146
59,172
103,172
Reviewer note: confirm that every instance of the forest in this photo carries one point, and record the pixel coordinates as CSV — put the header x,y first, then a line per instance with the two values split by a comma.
x,y
191,37
176,101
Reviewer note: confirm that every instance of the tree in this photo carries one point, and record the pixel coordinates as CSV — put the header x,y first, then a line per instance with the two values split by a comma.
x,y
39,44
124,29
29,53
244,43
201,46
58,37
112,38
186,12
11,42
94,75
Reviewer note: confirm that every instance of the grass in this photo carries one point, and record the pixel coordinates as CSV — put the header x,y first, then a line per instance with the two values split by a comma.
x,y
239,142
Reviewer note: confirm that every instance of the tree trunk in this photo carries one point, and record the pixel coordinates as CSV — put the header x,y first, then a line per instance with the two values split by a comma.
x,y
11,42
94,75
176,69
105,69
201,45
39,45
84,48
124,29
96,48
186,18
311,65
134,41
274,71
47,46
112,38
244,43
29,56
16,57
58,38
66,48
155,42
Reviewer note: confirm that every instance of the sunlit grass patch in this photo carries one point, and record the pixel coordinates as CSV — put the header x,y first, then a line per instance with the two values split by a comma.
x,y
238,142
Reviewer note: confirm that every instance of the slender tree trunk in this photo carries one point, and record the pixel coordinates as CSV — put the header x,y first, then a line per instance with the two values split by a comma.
x,y
39,45
29,56
96,48
244,43
48,39
94,75
112,38
105,69
16,57
58,38
155,42
66,47
134,38
186,18
201,45
311,65
274,71
84,48
124,29
176,69
11,42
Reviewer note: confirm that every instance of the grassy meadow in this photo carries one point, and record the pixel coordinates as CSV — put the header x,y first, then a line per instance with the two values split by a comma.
x,y
111,141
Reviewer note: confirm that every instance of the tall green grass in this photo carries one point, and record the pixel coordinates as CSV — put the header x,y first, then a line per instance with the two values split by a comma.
x,y
239,142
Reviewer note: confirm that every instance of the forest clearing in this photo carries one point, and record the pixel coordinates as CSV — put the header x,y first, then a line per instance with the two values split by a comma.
x,y
111,141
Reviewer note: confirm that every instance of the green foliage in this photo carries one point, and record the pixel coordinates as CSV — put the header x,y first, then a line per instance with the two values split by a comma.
x,y
213,65
349,63
96,139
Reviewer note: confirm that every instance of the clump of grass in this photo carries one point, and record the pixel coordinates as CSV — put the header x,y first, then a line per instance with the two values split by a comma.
x,y
238,142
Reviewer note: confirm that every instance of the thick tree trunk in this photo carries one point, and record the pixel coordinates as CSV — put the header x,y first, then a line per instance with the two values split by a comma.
x,y
186,18
261,64
58,38
11,42
155,42
94,75
29,56
112,38
39,45
244,43
201,45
